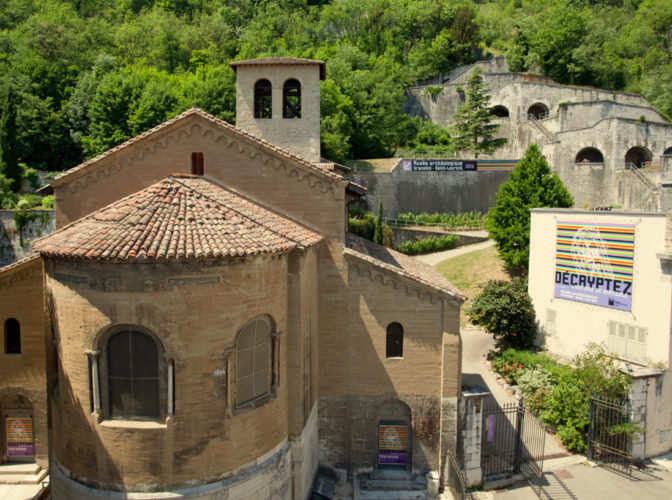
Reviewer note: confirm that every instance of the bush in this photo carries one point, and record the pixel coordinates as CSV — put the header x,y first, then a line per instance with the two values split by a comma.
x,y
471,220
560,393
429,244
504,309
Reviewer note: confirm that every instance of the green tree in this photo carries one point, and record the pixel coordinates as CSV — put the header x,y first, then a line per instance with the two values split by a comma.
x,y
504,308
9,154
530,185
473,129
378,234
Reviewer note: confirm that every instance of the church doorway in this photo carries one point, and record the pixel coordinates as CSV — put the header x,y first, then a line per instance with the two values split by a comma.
x,y
394,436
16,435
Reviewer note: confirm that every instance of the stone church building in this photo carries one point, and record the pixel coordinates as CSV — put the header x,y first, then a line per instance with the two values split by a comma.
x,y
201,324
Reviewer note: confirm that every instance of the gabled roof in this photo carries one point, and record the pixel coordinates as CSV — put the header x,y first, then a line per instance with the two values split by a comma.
x,y
400,264
281,61
181,218
19,264
87,165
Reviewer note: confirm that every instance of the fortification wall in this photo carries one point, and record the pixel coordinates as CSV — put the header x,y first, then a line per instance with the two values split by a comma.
x,y
457,191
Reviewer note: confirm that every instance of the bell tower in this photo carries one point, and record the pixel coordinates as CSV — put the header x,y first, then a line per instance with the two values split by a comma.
x,y
278,100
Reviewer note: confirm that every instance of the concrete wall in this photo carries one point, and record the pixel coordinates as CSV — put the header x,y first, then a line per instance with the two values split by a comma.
x,y
569,325
300,136
658,436
26,374
431,192
15,244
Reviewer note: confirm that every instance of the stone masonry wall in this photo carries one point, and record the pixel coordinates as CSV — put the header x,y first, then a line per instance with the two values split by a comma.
x,y
25,374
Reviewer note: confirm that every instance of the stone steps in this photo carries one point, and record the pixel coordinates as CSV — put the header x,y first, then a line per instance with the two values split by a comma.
x,y
385,485
22,474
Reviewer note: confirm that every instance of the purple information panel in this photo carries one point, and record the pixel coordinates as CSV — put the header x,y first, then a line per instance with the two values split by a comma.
x,y
593,263
392,444
19,437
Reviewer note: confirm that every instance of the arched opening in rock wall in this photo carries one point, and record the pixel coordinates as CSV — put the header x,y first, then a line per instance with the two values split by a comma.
x,y
538,111
499,111
589,155
638,156
668,152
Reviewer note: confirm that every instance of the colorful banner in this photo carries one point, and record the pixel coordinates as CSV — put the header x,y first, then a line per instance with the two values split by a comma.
x,y
497,165
593,263
392,444
19,437
458,165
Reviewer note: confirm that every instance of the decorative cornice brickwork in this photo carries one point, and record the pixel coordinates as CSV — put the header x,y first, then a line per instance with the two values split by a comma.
x,y
182,128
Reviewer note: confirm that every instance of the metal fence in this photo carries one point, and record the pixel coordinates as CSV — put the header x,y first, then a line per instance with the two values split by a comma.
x,y
610,433
455,480
513,441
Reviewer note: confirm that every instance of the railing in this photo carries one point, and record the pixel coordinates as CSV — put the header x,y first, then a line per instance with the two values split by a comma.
x,y
455,480
543,129
539,116
633,168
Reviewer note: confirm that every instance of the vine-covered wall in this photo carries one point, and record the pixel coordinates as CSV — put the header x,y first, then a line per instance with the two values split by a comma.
x,y
18,229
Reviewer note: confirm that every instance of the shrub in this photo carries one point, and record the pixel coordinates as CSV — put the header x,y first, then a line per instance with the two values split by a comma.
x,y
535,384
504,309
471,220
429,244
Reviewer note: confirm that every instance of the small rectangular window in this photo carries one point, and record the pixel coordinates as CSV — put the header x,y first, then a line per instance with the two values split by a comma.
x,y
197,163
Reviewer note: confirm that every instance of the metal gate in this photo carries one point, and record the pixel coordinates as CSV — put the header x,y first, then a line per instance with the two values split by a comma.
x,y
610,433
513,441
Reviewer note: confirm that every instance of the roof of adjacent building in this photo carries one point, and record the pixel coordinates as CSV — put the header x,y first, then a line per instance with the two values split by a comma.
x,y
62,178
281,61
181,218
400,264
19,264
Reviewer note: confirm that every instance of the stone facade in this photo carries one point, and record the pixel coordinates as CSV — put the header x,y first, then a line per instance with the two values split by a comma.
x,y
331,379
588,135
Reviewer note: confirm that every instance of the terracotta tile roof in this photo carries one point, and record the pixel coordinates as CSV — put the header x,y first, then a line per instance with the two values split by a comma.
x,y
183,217
60,179
19,263
400,264
280,61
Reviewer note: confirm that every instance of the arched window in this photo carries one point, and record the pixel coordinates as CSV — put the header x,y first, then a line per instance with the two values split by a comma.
x,y
537,111
12,336
394,346
263,99
291,99
638,156
589,155
133,374
253,361
499,111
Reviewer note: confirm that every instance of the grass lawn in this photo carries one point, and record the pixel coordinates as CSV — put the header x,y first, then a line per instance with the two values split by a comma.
x,y
469,272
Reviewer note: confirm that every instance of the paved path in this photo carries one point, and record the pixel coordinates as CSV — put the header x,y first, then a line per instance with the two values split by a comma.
x,y
435,258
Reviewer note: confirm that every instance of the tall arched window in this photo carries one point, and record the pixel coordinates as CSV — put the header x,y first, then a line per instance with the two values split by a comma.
x,y
133,375
12,336
263,99
253,361
394,346
291,99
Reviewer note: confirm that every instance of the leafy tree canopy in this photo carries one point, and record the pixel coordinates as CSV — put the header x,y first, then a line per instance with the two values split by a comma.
x,y
473,129
530,185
